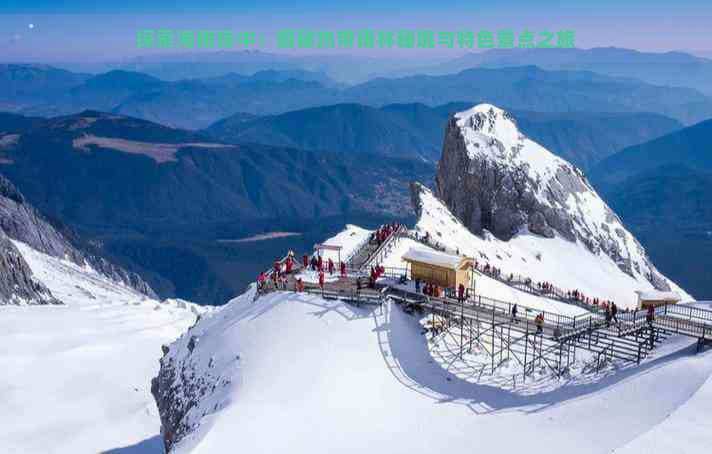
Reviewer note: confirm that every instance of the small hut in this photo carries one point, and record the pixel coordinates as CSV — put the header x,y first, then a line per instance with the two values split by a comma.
x,y
656,298
320,248
439,268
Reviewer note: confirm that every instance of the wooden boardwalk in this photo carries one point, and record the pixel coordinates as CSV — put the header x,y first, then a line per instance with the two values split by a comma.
x,y
489,323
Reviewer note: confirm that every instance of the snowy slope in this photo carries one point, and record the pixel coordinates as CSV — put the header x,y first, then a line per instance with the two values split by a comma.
x,y
350,239
76,378
299,374
567,264
686,430
516,196
487,286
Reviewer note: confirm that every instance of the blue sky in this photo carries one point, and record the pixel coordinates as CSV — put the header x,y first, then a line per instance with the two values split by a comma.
x,y
84,30
361,6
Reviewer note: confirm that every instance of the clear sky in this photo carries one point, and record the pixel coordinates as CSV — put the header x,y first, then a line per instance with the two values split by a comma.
x,y
91,30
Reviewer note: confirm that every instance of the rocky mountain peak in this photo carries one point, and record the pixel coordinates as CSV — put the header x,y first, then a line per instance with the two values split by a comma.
x,y
492,177
491,122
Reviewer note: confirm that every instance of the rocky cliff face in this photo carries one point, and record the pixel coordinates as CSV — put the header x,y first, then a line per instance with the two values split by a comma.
x,y
21,222
492,177
182,385
17,285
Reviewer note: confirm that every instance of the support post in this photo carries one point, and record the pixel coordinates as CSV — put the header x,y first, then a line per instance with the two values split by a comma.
x,y
462,322
493,330
526,348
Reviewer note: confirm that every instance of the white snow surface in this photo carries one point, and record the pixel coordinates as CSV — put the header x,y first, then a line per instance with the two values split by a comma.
x,y
490,134
350,239
499,128
486,286
656,295
307,375
566,264
427,255
76,378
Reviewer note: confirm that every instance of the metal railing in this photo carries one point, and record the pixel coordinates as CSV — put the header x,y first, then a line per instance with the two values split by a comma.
x,y
385,247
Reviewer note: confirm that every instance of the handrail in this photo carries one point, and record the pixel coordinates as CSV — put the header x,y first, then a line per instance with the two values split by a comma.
x,y
392,237
517,281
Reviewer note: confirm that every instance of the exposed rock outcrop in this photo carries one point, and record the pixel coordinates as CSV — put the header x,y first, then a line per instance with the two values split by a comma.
x,y
17,285
493,178
185,386
20,221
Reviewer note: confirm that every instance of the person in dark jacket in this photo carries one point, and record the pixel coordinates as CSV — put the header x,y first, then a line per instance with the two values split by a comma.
x,y
461,294
650,316
614,312
515,309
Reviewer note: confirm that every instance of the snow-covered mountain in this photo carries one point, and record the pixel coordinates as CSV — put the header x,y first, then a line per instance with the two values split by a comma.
x,y
295,373
20,221
76,376
505,198
80,340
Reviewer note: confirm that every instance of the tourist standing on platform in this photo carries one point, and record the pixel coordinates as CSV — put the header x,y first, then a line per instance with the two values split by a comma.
x,y
539,322
650,316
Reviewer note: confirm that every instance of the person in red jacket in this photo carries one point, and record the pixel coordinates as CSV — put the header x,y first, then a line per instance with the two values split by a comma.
x,y
343,269
461,294
288,265
305,262
261,281
277,268
321,280
331,266
319,263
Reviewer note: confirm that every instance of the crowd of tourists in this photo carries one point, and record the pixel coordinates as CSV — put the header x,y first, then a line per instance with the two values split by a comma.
x,y
384,232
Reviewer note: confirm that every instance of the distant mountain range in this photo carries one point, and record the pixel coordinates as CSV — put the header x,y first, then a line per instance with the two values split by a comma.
x,y
191,103
663,191
416,130
197,103
348,69
134,184
677,69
